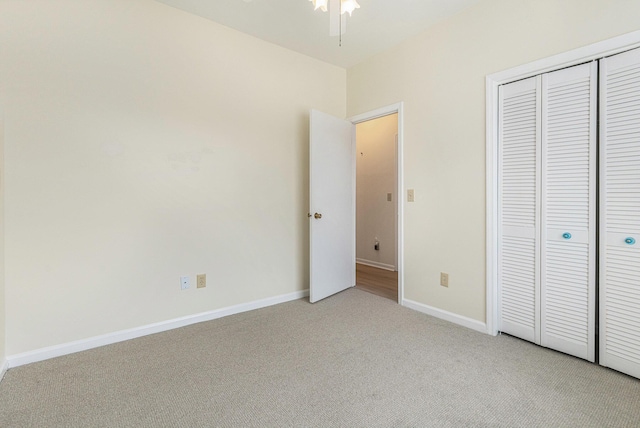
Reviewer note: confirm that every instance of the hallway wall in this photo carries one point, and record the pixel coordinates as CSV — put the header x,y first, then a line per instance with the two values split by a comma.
x,y
375,178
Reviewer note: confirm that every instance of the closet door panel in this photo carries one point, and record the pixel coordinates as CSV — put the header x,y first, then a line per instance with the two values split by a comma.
x,y
569,109
620,212
518,204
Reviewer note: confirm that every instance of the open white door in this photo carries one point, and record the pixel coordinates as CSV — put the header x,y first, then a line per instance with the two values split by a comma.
x,y
332,205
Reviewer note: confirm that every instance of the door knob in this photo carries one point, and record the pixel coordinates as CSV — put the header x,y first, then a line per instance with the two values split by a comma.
x,y
566,235
317,216
630,241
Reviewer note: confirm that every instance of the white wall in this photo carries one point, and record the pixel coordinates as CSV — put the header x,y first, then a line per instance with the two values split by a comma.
x,y
143,143
375,177
440,75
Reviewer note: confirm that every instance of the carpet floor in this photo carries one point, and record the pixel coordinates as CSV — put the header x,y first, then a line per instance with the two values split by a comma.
x,y
353,360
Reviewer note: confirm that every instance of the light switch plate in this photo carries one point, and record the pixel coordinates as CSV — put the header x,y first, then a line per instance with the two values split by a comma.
x,y
389,197
411,195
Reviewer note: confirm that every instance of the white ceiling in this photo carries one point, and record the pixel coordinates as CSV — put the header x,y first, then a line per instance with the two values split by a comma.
x,y
293,24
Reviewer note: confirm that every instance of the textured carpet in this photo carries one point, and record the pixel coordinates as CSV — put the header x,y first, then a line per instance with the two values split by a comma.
x,y
352,360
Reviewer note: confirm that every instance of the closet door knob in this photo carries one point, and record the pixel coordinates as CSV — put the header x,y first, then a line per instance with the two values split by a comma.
x,y
630,241
566,235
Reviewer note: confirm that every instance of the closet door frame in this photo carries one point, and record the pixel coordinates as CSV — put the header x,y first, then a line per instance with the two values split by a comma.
x,y
493,81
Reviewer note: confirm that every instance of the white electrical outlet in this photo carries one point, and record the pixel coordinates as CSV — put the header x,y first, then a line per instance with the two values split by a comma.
x,y
411,195
184,282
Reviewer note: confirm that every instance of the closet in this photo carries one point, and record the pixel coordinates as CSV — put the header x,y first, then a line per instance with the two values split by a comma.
x,y
548,171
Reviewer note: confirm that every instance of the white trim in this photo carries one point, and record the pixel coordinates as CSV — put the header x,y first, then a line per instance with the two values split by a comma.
x,y
567,59
447,316
374,114
120,336
376,264
377,113
3,369
354,209
398,196
401,201
493,81
492,206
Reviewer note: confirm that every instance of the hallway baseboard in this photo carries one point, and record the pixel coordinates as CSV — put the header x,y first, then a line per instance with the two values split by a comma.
x,y
376,264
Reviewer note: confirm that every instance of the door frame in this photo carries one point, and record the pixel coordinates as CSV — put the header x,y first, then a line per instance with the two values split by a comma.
x,y
375,114
493,81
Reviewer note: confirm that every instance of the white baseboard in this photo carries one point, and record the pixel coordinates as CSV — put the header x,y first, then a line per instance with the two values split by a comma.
x,y
376,264
447,316
120,336
3,369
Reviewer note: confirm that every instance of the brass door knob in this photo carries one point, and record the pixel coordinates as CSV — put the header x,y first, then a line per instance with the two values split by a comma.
x,y
317,216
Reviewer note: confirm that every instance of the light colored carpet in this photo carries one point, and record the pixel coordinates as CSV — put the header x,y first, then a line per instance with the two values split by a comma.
x,y
353,360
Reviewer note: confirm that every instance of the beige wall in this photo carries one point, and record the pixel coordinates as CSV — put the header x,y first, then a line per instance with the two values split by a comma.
x,y
3,306
375,177
143,143
440,75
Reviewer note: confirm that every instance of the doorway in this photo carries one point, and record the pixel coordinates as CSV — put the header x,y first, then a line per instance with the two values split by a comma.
x,y
377,206
332,201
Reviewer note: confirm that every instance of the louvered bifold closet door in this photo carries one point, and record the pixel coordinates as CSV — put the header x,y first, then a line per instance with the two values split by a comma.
x,y
518,197
620,212
567,276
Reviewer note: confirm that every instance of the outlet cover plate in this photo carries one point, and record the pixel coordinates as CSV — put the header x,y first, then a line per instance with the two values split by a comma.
x,y
444,279
184,282
201,280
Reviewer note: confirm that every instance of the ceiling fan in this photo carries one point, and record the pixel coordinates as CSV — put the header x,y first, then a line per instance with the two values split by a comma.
x,y
336,9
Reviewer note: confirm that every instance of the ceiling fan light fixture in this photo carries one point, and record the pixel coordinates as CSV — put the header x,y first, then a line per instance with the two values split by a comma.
x,y
320,4
348,6
336,8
